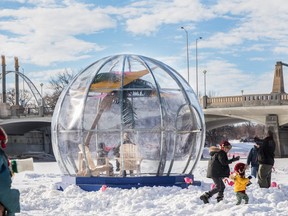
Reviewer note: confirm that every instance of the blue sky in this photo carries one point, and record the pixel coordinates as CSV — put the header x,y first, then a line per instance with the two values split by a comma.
x,y
242,40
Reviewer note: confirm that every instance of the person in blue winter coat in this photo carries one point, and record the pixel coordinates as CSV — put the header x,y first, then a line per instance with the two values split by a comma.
x,y
253,157
218,169
9,198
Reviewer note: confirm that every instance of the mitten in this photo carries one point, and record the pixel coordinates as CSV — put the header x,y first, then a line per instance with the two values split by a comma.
x,y
235,158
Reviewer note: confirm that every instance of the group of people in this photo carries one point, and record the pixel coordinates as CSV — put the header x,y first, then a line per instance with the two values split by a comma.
x,y
261,158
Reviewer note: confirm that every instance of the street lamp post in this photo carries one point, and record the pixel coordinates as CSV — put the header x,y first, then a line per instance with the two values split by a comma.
x,y
41,85
205,96
242,92
197,64
204,72
23,79
41,110
187,50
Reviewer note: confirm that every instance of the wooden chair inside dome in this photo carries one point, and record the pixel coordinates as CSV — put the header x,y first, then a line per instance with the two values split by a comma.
x,y
95,169
130,159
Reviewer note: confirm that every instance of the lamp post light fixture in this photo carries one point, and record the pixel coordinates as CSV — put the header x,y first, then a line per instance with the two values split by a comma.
x,y
204,72
187,50
199,38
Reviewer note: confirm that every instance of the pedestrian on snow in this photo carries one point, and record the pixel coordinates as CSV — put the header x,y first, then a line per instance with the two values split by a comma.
x,y
253,157
266,160
240,183
9,198
218,169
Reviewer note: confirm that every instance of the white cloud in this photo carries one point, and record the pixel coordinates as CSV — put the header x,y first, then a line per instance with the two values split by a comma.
x,y
223,77
50,31
153,14
46,35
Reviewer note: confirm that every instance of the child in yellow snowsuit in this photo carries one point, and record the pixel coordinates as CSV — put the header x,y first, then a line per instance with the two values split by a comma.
x,y
240,183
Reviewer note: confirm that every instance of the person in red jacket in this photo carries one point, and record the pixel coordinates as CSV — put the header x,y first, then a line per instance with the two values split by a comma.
x,y
9,198
218,169
3,138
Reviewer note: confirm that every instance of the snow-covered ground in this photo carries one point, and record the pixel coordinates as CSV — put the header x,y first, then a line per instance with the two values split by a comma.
x,y
39,197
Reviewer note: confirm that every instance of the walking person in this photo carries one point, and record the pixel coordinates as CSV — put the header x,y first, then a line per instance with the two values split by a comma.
x,y
253,158
9,198
266,160
218,169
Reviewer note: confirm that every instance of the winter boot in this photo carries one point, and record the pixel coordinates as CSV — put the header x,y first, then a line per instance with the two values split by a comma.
x,y
205,198
219,199
220,196
124,174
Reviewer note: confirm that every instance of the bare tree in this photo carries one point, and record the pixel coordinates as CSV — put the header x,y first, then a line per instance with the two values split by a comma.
x,y
57,84
238,131
25,98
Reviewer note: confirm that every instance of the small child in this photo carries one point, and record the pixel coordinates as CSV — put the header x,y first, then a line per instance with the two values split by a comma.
x,y
240,183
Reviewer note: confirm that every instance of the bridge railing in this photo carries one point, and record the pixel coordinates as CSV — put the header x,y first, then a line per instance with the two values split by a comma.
x,y
245,100
17,111
34,111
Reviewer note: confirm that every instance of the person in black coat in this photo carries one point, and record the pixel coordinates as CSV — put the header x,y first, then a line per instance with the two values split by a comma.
x,y
266,160
218,169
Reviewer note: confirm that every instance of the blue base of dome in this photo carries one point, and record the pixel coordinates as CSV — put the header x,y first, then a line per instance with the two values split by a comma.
x,y
96,183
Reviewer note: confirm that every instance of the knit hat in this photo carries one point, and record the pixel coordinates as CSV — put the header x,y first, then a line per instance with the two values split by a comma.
x,y
240,168
226,144
3,138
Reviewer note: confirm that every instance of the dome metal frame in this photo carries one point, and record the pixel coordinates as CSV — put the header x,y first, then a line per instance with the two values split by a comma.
x,y
135,95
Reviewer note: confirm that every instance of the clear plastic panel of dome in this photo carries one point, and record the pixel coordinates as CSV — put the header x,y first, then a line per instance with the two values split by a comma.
x,y
128,115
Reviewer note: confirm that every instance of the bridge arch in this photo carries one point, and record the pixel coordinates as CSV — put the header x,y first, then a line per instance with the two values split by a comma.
x,y
217,121
32,87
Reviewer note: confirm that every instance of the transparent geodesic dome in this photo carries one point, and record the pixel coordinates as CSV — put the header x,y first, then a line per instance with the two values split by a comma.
x,y
128,115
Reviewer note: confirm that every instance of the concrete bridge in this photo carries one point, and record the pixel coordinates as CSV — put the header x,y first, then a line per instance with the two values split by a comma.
x,y
270,110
